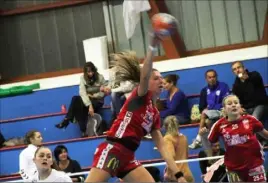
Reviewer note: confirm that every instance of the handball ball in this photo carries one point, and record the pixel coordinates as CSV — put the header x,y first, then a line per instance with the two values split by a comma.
x,y
164,24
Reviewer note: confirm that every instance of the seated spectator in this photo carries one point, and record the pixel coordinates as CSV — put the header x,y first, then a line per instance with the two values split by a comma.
x,y
89,101
210,105
66,164
177,102
249,88
220,174
121,83
27,165
46,168
176,144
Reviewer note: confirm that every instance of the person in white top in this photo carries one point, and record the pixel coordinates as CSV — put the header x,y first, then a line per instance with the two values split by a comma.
x,y
123,78
45,168
27,166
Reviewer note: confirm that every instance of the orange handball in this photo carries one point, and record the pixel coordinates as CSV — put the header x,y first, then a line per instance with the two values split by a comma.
x,y
164,24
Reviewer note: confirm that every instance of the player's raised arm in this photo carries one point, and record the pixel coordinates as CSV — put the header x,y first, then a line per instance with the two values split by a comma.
x,y
147,66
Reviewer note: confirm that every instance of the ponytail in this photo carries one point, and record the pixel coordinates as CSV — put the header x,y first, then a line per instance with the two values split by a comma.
x,y
171,125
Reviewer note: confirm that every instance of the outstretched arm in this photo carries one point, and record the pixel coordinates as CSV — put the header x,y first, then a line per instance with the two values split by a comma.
x,y
147,67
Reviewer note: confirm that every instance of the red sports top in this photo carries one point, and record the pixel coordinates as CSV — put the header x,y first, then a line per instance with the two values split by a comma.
x,y
243,150
137,117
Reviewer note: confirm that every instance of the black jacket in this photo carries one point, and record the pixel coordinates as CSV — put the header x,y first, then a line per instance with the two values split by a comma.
x,y
251,92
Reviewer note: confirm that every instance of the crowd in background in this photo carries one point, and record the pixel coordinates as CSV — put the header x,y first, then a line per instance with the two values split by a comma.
x,y
174,111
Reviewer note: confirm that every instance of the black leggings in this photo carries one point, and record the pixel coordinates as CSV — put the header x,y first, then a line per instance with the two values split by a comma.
x,y
79,111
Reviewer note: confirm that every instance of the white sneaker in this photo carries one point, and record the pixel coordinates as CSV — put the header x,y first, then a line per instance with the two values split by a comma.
x,y
195,145
148,136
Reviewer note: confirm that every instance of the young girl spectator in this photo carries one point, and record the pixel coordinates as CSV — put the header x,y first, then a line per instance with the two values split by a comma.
x,y
27,166
176,103
46,171
244,155
66,164
176,146
89,101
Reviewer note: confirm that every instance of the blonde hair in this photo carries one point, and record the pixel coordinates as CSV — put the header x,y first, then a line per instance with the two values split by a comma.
x,y
171,125
127,66
228,96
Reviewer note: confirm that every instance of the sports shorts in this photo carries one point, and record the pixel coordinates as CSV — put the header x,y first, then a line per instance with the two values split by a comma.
x,y
115,159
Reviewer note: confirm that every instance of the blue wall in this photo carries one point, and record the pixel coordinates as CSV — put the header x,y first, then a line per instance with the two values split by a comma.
x,y
47,101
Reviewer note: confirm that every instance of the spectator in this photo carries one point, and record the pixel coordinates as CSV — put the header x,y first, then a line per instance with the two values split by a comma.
x,y
66,164
89,101
27,165
210,105
220,174
177,102
176,144
46,168
249,88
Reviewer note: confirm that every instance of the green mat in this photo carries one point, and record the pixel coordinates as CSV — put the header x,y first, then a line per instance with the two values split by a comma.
x,y
18,90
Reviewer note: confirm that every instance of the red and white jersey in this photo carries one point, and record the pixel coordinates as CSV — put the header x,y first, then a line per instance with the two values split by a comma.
x,y
243,150
137,117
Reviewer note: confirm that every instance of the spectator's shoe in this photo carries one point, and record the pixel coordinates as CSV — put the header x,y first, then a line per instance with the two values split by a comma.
x,y
148,136
63,124
84,135
195,145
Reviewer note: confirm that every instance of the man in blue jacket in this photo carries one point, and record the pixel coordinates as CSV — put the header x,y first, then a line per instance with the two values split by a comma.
x,y
210,104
